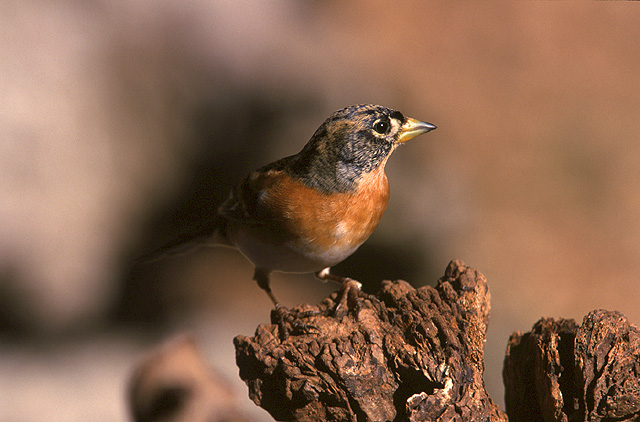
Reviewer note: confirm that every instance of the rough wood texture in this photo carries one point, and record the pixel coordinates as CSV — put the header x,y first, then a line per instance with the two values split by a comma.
x,y
562,372
412,355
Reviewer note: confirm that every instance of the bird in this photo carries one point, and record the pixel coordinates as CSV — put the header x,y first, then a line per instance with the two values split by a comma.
x,y
309,211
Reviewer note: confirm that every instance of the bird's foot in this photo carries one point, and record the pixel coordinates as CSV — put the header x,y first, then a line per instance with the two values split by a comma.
x,y
290,321
348,295
348,298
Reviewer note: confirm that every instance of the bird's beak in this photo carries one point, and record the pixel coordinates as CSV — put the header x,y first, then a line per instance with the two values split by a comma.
x,y
413,128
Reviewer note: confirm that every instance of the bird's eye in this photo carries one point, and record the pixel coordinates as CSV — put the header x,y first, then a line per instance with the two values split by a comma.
x,y
381,126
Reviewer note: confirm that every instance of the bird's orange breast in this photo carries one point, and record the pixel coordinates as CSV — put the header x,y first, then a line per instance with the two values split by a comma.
x,y
332,224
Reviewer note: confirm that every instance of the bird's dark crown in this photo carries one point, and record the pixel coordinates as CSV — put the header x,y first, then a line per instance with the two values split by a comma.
x,y
351,142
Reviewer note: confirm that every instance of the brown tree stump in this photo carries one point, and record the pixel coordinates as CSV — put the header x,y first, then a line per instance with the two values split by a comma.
x,y
562,372
411,355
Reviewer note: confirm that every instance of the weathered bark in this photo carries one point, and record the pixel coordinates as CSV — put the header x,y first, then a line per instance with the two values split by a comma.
x,y
406,355
410,355
562,372
532,368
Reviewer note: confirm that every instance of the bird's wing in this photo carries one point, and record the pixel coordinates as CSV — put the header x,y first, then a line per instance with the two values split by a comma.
x,y
246,202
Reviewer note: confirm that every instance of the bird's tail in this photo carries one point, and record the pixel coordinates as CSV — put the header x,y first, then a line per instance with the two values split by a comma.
x,y
213,233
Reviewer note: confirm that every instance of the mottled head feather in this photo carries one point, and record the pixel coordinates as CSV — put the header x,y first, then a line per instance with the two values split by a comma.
x,y
346,146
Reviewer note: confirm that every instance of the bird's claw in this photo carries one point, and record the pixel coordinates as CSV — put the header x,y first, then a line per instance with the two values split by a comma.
x,y
289,322
348,297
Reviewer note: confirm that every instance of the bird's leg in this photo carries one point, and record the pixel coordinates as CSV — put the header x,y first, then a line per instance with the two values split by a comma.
x,y
349,291
280,315
325,275
261,276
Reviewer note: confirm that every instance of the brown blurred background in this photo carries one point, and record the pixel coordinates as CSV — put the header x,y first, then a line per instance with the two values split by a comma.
x,y
124,123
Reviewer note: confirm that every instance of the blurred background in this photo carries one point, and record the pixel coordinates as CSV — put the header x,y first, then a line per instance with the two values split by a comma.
x,y
123,124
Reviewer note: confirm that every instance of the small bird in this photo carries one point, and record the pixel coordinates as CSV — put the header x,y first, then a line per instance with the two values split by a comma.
x,y
310,211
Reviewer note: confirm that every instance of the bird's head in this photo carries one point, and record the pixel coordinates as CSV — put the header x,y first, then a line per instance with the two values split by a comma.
x,y
354,141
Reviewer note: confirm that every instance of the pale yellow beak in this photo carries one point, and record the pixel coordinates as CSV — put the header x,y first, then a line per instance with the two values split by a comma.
x,y
413,128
